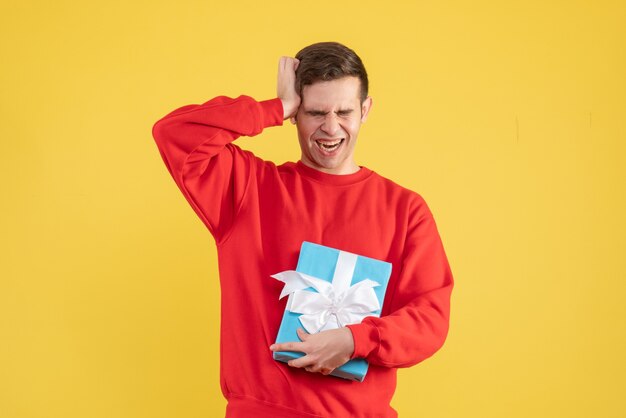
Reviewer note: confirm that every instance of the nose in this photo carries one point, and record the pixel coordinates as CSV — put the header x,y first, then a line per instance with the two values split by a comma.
x,y
330,125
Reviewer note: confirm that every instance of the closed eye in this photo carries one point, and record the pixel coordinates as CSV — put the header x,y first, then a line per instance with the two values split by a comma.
x,y
316,113
343,112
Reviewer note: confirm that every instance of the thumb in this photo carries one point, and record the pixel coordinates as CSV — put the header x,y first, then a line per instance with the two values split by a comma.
x,y
302,334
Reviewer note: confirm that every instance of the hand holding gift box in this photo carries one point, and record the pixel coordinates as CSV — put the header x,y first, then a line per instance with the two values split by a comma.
x,y
328,290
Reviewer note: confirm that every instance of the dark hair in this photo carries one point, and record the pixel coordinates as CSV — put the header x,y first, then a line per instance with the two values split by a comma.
x,y
325,61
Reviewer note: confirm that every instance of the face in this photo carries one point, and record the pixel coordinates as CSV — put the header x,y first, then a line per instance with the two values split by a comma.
x,y
328,122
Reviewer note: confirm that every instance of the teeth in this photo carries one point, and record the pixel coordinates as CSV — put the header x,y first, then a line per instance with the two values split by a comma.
x,y
329,146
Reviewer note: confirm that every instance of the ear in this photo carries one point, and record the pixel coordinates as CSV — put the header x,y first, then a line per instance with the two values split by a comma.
x,y
365,108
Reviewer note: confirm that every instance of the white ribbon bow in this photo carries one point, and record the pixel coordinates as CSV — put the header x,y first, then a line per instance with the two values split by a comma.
x,y
335,304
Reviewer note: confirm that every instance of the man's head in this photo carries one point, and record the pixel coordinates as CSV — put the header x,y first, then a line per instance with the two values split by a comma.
x,y
325,61
332,83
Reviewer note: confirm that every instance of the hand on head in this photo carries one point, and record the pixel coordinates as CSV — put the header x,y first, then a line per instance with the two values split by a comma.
x,y
286,86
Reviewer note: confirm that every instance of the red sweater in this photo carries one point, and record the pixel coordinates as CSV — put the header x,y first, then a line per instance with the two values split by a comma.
x,y
259,214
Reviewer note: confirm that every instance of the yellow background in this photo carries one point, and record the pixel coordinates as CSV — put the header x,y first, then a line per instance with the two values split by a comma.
x,y
508,117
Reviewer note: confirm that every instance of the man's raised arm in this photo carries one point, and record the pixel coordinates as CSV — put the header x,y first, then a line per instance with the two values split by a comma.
x,y
195,144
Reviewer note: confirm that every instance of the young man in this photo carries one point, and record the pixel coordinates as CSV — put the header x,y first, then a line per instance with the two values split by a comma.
x,y
260,213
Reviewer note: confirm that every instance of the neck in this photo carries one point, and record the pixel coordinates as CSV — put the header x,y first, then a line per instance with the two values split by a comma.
x,y
349,168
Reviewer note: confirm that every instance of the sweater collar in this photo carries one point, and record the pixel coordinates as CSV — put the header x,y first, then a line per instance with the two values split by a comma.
x,y
333,179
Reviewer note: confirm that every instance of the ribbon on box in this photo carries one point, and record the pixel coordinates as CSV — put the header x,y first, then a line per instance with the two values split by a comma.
x,y
335,304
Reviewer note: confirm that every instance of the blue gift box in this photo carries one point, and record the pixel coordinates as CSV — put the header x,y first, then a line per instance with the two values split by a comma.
x,y
324,263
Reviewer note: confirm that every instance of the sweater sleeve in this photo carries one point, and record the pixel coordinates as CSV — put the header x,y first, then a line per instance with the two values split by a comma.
x,y
213,174
420,305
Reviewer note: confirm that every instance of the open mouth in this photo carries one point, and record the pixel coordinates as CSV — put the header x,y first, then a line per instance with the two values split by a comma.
x,y
329,146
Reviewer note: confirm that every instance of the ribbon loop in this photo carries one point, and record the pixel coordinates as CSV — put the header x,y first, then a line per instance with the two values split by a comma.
x,y
333,305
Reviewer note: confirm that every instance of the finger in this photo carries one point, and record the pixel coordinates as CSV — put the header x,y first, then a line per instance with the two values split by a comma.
x,y
304,361
287,347
317,369
302,334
